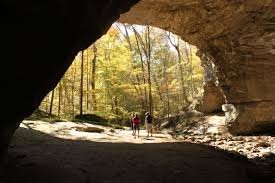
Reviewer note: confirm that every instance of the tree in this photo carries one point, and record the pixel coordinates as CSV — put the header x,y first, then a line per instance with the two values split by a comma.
x,y
81,84
59,97
87,81
93,78
51,105
130,69
72,90
176,45
146,47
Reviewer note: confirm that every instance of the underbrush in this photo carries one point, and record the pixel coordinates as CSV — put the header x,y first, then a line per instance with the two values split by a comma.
x,y
39,115
95,119
181,121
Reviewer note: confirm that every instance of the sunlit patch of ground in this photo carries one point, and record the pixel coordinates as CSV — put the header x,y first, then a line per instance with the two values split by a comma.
x,y
70,130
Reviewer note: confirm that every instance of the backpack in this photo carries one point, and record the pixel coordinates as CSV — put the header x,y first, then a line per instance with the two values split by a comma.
x,y
149,119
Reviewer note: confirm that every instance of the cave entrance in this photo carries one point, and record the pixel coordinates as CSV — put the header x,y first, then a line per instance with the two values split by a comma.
x,y
81,123
239,38
135,69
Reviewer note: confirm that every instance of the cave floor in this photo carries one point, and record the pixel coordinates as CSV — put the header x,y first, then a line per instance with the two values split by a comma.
x,y
55,153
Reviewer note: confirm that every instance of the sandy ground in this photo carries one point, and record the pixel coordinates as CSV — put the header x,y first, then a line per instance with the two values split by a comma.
x,y
56,153
68,130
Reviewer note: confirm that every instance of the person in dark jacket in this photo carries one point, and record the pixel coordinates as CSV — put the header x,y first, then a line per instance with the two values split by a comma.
x,y
148,122
131,122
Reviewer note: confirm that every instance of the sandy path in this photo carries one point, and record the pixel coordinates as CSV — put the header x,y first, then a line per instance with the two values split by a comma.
x,y
68,130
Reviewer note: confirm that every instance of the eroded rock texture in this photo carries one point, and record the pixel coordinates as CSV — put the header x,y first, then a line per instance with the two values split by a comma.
x,y
212,98
239,36
39,41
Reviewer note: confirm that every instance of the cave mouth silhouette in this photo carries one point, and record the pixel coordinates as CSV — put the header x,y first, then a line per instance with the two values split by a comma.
x,y
239,38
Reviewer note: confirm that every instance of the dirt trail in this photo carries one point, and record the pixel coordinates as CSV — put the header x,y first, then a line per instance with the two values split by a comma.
x,y
57,153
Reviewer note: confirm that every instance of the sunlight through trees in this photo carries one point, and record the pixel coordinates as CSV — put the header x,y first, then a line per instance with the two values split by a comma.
x,y
130,69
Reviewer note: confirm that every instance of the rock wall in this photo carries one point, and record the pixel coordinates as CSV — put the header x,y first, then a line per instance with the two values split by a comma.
x,y
239,36
39,41
212,98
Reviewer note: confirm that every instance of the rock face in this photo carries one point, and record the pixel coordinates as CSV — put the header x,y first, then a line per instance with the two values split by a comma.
x,y
40,40
239,37
212,99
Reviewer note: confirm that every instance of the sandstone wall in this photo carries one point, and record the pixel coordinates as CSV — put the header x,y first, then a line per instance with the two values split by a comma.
x,y
212,98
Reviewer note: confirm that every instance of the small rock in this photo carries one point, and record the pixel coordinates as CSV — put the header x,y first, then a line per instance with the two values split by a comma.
x,y
237,139
192,139
249,148
267,154
262,144
231,144
240,150
220,143
255,150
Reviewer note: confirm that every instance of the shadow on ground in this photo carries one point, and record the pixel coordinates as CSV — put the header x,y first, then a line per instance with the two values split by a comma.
x,y
40,158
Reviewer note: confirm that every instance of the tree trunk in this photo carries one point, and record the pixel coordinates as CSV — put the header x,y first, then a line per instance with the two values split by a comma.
x,y
116,105
146,47
87,81
59,97
137,37
144,102
166,87
73,87
52,100
191,69
184,96
47,103
93,78
139,93
148,42
66,103
81,85
157,87
176,46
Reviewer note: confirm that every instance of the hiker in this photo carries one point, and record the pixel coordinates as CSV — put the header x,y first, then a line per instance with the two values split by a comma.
x,y
131,122
148,122
136,123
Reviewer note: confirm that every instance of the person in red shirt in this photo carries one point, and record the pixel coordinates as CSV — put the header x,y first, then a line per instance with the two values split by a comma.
x,y
136,123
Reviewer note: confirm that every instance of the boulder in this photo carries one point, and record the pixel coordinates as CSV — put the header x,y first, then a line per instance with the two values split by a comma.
x,y
90,129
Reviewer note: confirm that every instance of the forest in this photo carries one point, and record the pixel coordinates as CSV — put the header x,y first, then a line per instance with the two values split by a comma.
x,y
131,69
